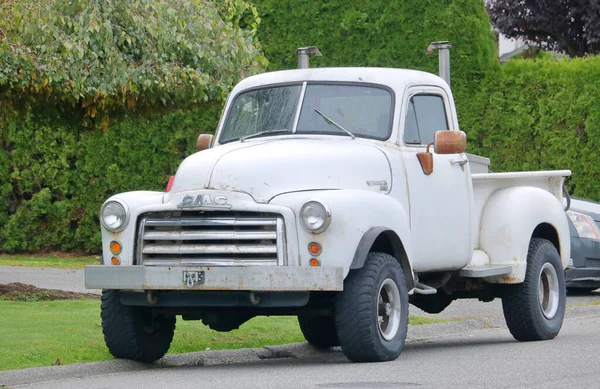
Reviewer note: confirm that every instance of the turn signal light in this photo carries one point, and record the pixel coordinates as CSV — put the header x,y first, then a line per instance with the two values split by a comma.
x,y
314,248
170,184
115,247
115,261
314,262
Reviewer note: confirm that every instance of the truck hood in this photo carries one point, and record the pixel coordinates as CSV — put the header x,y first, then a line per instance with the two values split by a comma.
x,y
263,169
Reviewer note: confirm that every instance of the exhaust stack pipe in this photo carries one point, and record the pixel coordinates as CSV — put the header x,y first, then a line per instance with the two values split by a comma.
x,y
444,57
304,53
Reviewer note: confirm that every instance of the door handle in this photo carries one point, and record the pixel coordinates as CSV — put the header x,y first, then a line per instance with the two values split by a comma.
x,y
461,163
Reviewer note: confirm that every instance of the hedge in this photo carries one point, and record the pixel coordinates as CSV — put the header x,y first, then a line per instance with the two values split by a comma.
x,y
55,171
540,115
54,174
380,33
525,115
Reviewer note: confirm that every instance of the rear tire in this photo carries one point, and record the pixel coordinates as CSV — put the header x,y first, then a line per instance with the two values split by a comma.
x,y
372,312
534,309
319,331
132,332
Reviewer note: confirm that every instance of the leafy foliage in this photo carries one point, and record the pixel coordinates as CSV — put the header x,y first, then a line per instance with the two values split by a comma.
x,y
384,33
379,33
83,85
572,27
118,55
59,173
541,115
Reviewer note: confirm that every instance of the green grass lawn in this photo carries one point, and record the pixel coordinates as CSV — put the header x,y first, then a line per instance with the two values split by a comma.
x,y
38,260
37,333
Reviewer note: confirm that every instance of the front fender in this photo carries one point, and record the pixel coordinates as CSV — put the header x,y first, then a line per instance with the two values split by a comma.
x,y
135,203
508,222
353,214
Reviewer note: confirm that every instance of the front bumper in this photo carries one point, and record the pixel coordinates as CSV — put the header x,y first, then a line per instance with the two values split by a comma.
x,y
244,278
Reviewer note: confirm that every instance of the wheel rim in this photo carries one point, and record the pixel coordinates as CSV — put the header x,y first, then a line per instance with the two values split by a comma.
x,y
388,309
548,291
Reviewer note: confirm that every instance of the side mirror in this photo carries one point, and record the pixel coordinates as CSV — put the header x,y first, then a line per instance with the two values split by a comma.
x,y
445,142
450,142
204,142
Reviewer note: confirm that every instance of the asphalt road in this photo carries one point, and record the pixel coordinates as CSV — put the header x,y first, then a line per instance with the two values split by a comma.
x,y
484,358
47,278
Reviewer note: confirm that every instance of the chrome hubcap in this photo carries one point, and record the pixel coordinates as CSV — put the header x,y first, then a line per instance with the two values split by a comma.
x,y
388,309
548,290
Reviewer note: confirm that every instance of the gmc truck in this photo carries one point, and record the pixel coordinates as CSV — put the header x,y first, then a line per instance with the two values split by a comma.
x,y
340,196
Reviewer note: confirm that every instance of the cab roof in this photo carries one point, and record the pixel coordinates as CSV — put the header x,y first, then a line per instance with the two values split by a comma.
x,y
397,79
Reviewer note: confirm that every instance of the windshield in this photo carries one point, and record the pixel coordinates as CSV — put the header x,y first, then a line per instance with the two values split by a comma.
x,y
262,110
333,109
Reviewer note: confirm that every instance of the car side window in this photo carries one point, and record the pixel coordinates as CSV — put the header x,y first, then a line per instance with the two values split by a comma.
x,y
426,114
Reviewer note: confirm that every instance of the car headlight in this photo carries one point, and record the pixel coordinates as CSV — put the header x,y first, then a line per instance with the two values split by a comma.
x,y
114,216
585,225
315,216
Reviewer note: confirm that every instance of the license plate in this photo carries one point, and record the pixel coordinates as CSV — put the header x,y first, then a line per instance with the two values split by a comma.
x,y
193,277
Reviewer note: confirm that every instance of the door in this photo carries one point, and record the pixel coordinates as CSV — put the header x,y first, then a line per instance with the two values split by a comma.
x,y
440,203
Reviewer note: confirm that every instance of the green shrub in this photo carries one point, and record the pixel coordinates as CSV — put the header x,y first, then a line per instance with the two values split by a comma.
x,y
386,33
60,173
540,115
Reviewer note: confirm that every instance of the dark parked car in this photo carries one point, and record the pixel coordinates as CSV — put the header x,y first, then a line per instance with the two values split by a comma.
x,y
583,274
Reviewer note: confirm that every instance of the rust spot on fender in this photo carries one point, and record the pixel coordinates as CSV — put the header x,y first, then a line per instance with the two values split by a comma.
x,y
510,279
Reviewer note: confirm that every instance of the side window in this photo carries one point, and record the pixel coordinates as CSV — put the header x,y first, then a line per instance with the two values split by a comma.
x,y
425,116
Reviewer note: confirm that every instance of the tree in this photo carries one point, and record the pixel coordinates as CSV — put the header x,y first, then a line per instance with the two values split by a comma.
x,y
571,27
98,55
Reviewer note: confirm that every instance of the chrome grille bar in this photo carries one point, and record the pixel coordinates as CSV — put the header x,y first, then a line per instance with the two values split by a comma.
x,y
223,238
209,235
210,222
208,249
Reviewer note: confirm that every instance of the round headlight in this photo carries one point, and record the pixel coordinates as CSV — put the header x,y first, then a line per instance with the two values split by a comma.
x,y
113,216
315,216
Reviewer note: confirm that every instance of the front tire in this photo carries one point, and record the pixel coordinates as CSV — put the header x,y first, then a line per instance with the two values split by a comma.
x,y
534,309
372,311
133,332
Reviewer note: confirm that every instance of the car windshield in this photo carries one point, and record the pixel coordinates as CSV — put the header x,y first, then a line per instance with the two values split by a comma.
x,y
333,109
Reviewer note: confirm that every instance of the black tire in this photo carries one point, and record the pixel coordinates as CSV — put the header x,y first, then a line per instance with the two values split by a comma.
x,y
364,334
528,318
319,331
132,332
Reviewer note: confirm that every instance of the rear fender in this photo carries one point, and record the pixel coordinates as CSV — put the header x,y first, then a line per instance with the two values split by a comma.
x,y
511,217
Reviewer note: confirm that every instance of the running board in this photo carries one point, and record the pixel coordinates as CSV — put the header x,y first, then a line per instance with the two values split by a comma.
x,y
485,271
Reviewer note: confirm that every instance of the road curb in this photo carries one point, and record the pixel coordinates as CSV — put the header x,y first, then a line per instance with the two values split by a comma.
x,y
419,333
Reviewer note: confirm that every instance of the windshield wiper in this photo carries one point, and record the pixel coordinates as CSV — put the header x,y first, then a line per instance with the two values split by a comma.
x,y
263,133
329,120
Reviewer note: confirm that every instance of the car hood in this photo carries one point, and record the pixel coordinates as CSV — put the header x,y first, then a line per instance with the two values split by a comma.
x,y
266,168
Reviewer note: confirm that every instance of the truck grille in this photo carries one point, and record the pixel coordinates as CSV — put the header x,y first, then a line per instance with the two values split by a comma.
x,y
210,239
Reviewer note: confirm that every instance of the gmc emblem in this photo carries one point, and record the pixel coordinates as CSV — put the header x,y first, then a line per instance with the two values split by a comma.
x,y
204,201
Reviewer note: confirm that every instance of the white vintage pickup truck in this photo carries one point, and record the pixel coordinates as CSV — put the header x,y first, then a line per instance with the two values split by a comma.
x,y
338,195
